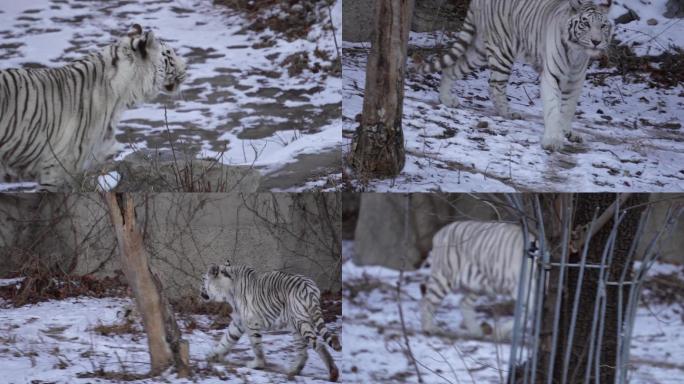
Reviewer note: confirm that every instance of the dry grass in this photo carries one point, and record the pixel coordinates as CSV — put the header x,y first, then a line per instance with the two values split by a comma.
x,y
665,70
122,328
44,286
294,22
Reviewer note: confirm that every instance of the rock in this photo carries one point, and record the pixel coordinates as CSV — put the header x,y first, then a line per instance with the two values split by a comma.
x,y
627,17
652,22
674,9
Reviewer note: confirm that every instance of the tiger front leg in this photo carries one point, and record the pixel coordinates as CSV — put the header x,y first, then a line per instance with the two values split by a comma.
x,y
232,335
433,292
467,307
445,95
553,117
570,93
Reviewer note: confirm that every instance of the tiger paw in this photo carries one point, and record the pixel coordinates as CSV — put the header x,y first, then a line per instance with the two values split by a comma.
x,y
552,143
449,101
574,137
334,374
429,329
256,364
486,328
213,357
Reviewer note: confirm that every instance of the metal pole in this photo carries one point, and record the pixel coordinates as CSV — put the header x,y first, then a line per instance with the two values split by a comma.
x,y
559,294
539,289
575,304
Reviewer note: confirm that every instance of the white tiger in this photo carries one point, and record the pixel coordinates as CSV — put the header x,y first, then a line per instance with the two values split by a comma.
x,y
57,122
475,258
557,37
270,301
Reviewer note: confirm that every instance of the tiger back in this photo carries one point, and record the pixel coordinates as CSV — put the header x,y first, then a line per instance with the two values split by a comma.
x,y
557,37
475,258
57,122
270,301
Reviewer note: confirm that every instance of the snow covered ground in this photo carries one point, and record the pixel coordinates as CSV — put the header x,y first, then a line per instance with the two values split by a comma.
x,y
374,349
633,135
244,101
57,342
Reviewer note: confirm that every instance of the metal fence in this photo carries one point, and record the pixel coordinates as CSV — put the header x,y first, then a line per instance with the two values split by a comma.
x,y
525,361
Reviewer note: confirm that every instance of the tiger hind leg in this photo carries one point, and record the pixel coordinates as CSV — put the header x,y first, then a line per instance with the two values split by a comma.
x,y
301,347
500,66
333,372
307,332
469,62
259,361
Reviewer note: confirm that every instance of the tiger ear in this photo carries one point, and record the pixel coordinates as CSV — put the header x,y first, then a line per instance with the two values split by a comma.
x,y
214,270
577,4
146,43
135,31
228,262
604,5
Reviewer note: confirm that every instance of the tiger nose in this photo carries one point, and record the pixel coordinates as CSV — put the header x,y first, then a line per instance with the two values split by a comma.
x,y
596,42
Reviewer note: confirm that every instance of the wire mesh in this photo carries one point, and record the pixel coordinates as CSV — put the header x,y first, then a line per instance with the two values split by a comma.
x,y
525,359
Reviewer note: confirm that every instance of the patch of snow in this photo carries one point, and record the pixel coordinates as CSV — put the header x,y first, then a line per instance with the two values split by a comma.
x,y
108,181
55,342
236,84
14,281
374,346
646,39
633,133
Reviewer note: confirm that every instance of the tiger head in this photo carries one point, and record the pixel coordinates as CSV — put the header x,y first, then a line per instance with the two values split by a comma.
x,y
174,69
219,282
589,27
140,60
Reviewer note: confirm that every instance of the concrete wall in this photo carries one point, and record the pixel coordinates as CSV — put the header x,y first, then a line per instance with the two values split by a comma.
x,y
428,15
184,233
383,238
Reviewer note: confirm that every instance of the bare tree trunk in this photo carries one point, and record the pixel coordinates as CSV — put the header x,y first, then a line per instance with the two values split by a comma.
x,y
378,145
585,206
160,325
